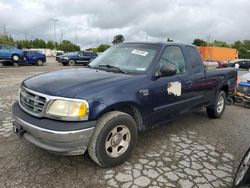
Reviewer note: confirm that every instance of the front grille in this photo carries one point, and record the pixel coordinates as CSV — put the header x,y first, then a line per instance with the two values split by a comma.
x,y
31,102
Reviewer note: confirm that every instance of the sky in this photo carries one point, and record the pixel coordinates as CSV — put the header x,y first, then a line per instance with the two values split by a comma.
x,y
90,23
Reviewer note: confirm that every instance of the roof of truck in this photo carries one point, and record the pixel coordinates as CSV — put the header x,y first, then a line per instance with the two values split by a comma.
x,y
159,43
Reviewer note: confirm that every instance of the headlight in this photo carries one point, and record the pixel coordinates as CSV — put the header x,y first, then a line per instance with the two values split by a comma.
x,y
66,58
68,109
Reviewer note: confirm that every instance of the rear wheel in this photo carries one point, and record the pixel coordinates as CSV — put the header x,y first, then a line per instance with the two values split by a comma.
x,y
15,57
113,140
72,62
216,110
39,62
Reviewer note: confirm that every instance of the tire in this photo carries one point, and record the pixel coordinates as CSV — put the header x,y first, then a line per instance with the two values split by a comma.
x,y
108,135
247,104
242,177
15,64
39,62
15,57
72,62
229,101
217,109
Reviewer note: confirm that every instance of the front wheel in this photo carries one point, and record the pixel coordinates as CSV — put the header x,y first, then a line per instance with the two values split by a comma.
x,y
72,62
113,140
216,110
242,177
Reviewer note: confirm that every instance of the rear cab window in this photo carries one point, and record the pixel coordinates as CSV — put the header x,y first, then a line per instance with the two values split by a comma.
x,y
194,59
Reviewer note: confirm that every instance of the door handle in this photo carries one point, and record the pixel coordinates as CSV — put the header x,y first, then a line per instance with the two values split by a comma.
x,y
189,83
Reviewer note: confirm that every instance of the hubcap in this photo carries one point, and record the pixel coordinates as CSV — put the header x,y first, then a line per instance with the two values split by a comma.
x,y
15,58
117,141
220,105
243,169
71,63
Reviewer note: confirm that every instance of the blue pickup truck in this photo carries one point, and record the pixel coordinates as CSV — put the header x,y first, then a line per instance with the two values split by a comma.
x,y
131,87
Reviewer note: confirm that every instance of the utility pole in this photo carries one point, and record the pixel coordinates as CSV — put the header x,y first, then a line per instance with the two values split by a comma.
x,y
54,22
4,30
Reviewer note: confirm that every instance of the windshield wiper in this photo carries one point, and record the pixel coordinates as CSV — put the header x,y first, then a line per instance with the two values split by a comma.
x,y
113,67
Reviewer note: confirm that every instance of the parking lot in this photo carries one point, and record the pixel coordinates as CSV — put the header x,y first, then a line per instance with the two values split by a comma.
x,y
193,151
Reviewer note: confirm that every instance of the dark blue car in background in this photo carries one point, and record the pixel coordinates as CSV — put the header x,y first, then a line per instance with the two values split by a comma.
x,y
72,58
34,57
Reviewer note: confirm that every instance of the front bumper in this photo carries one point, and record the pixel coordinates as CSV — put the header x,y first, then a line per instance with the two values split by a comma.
x,y
56,139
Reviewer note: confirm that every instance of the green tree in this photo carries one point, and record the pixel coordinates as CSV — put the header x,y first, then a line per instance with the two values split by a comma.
x,y
102,47
118,39
220,44
67,46
199,42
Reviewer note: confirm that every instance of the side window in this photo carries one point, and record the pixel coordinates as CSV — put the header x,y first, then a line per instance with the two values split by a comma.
x,y
194,59
87,54
80,54
174,56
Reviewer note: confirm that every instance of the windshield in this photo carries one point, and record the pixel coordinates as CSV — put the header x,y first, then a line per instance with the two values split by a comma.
x,y
127,57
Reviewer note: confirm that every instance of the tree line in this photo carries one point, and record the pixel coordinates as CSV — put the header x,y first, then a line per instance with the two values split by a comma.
x,y
67,46
243,47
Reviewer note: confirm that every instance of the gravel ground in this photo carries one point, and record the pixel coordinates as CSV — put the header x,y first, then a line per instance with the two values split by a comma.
x,y
193,151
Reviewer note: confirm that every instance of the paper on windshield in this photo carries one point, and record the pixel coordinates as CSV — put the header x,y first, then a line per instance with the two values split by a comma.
x,y
139,52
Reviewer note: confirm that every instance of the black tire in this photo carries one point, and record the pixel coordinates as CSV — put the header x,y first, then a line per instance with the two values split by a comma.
x,y
72,62
15,64
104,133
15,57
247,104
39,62
215,111
245,180
229,101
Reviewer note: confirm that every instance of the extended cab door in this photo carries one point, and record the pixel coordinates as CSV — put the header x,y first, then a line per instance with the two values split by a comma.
x,y
84,57
172,95
199,81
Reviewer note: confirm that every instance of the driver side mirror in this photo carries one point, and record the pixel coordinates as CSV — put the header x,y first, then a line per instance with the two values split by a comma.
x,y
167,70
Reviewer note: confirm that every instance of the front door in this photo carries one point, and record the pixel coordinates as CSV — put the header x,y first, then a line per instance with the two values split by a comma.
x,y
172,95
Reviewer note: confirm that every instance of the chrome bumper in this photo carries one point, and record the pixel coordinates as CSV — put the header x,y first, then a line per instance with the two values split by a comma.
x,y
61,142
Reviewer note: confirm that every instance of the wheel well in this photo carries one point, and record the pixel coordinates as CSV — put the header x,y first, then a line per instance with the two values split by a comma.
x,y
225,88
134,112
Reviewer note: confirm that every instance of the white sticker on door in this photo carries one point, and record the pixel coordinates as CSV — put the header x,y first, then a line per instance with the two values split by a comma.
x,y
174,88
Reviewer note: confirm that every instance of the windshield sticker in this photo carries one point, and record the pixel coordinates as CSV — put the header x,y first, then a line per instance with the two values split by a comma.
x,y
174,88
141,69
139,52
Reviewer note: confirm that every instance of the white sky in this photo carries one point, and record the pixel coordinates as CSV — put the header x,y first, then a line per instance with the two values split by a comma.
x,y
92,22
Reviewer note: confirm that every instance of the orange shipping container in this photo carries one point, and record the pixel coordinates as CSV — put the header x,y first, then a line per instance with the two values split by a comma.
x,y
212,53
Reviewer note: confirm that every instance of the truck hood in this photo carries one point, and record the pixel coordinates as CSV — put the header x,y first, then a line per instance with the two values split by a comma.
x,y
73,82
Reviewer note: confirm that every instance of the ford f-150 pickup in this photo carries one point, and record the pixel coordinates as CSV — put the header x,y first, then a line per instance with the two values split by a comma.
x,y
131,87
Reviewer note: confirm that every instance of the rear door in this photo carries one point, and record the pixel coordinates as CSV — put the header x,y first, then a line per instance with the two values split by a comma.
x,y
172,95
